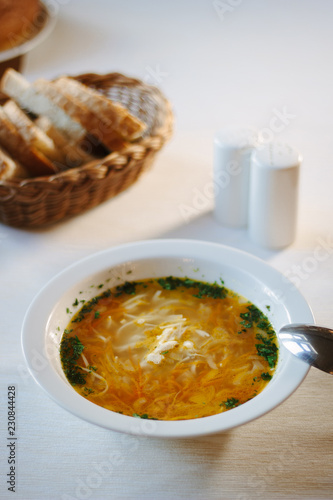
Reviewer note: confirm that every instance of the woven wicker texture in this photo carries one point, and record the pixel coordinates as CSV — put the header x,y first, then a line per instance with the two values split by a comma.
x,y
42,201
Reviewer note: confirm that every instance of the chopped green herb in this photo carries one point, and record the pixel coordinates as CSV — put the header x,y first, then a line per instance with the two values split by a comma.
x,y
70,350
171,283
230,403
128,287
204,289
255,316
77,347
88,306
87,391
266,376
75,303
215,291
164,352
97,314
144,416
267,350
100,286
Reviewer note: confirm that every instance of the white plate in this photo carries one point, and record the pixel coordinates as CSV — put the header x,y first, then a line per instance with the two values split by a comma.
x,y
254,279
38,38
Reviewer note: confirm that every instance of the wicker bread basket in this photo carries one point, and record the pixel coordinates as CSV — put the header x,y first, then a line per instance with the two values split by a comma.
x,y
42,201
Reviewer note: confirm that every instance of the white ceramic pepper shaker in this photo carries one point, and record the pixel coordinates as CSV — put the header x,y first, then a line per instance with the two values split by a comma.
x,y
273,195
232,157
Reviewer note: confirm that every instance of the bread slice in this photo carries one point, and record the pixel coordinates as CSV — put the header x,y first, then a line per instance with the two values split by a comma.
x,y
10,169
32,134
101,128
113,114
14,85
74,155
19,149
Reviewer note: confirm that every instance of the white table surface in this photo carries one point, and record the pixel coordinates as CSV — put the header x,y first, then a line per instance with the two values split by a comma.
x,y
219,63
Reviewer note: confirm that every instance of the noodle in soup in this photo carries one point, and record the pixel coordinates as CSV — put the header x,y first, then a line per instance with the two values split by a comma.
x,y
169,349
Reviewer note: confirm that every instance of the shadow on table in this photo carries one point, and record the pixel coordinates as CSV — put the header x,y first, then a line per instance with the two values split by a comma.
x,y
205,228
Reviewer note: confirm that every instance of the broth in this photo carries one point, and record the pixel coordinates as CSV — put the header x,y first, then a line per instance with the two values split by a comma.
x,y
169,349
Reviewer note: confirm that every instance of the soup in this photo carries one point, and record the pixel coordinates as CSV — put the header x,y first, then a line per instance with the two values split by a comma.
x,y
168,349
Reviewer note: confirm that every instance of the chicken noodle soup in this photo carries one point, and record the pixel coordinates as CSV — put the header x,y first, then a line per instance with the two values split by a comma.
x,y
168,349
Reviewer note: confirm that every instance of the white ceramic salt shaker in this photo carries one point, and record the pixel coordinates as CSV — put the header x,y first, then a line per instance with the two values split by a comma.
x,y
273,195
232,157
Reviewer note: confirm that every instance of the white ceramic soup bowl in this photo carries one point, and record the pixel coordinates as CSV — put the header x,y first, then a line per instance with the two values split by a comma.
x,y
246,275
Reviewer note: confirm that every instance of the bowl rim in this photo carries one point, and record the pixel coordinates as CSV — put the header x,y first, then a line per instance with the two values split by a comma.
x,y
33,336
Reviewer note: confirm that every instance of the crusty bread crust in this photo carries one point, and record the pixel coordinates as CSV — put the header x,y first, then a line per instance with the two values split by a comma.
x,y
30,133
9,168
35,161
112,114
14,85
51,126
95,124
74,155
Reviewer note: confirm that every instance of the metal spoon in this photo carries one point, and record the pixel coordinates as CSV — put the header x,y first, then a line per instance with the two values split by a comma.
x,y
310,343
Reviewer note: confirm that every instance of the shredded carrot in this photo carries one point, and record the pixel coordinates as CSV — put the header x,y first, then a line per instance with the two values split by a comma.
x,y
210,359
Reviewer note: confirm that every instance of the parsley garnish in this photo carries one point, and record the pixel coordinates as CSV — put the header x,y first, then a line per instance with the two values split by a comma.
x,y
214,290
89,305
144,416
230,403
267,350
255,316
87,391
70,351
171,283
128,287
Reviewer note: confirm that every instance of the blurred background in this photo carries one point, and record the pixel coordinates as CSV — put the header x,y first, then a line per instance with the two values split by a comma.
x,y
219,63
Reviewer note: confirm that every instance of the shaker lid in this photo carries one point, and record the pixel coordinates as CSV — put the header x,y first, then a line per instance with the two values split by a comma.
x,y
235,138
276,155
